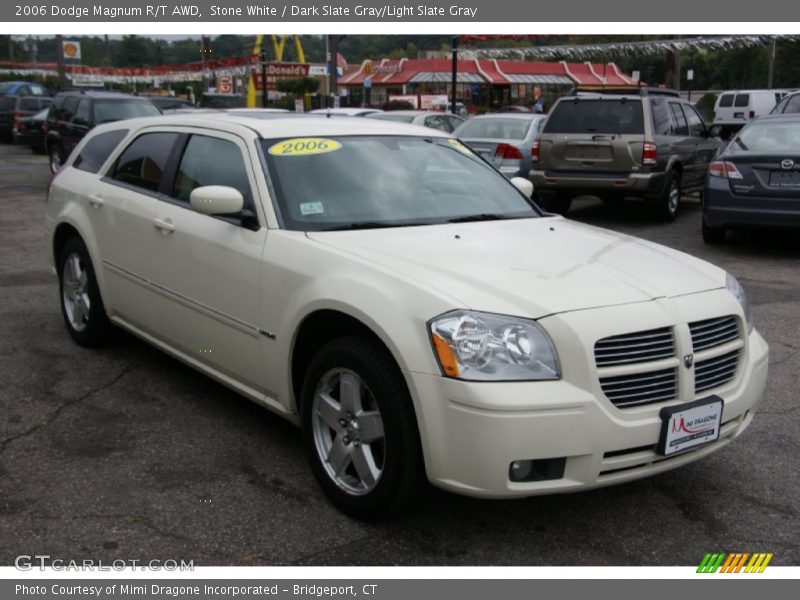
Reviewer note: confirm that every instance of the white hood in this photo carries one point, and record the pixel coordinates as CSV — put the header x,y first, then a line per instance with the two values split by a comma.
x,y
529,267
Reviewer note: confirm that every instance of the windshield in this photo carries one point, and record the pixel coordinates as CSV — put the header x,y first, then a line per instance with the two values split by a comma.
x,y
776,136
386,181
491,128
106,111
618,115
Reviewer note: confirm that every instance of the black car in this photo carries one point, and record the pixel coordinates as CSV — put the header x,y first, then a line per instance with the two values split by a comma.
x,y
73,114
31,131
755,181
14,108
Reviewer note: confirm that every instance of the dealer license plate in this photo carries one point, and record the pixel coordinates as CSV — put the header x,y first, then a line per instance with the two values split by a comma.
x,y
790,179
690,425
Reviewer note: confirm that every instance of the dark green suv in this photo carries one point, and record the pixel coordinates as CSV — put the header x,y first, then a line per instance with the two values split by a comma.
x,y
647,143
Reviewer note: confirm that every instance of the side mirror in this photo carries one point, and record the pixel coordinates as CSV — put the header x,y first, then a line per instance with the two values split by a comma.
x,y
523,185
216,200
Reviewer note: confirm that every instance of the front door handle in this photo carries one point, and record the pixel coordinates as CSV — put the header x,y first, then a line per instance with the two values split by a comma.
x,y
95,201
165,225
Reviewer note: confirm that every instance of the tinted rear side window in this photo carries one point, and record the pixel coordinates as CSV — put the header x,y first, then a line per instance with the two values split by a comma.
x,y
621,116
98,149
742,100
143,162
661,123
726,101
681,128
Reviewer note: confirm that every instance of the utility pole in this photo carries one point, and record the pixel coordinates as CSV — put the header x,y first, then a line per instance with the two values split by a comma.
x,y
264,92
454,76
773,50
62,79
334,46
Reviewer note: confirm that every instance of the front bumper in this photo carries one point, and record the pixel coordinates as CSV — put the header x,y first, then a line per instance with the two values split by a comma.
x,y
472,432
634,184
723,208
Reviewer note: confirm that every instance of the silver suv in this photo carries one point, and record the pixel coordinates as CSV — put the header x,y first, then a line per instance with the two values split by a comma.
x,y
647,143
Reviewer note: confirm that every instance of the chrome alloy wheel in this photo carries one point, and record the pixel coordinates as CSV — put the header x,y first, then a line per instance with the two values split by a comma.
x,y
674,197
75,292
348,431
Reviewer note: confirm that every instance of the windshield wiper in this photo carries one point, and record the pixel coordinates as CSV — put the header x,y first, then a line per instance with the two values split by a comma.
x,y
480,217
366,225
742,144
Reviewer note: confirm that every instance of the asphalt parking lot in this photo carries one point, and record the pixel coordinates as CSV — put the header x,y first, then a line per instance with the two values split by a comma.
x,y
124,453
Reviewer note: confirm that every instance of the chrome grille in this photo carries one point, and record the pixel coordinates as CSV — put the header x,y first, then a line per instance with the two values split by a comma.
x,y
713,332
641,388
630,348
714,372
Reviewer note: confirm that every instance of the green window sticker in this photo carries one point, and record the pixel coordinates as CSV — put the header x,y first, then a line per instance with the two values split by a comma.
x,y
311,208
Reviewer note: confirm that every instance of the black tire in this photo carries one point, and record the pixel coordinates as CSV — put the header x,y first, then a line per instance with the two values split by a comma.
x,y
670,200
402,471
712,235
92,328
57,158
558,203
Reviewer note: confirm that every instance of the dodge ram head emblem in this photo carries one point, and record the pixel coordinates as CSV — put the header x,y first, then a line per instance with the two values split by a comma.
x,y
688,360
787,163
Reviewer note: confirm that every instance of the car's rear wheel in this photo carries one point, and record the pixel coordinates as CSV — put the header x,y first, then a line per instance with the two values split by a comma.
x,y
360,430
81,304
670,200
712,235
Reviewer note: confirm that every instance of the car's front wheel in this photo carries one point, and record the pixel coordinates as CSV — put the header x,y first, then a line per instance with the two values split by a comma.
x,y
81,304
360,430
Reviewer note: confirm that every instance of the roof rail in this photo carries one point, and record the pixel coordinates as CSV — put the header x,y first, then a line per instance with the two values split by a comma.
x,y
624,91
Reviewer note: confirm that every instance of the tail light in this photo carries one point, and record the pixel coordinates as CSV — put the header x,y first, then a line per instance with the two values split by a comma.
x,y
535,151
752,114
16,119
725,169
649,154
508,152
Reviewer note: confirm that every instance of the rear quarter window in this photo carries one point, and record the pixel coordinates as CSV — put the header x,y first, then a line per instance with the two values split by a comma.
x,y
661,122
618,115
98,149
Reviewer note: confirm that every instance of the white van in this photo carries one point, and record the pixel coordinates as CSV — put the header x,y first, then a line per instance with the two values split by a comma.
x,y
745,105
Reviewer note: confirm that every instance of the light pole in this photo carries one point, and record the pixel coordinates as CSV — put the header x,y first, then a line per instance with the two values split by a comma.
x,y
454,78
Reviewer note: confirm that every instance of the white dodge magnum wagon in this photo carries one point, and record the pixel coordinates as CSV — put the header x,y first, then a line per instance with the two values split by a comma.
x,y
412,310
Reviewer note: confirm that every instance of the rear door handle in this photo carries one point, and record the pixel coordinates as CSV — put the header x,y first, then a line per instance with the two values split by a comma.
x,y
165,225
96,201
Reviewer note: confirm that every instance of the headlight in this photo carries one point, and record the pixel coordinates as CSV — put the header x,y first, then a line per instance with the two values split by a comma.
x,y
485,347
735,288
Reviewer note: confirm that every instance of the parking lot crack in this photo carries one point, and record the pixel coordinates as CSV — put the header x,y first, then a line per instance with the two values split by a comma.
x,y
54,414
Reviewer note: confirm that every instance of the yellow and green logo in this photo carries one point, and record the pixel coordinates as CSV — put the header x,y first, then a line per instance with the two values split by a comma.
x,y
734,562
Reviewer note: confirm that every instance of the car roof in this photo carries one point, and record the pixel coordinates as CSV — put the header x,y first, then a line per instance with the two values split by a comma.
x,y
410,113
782,117
286,125
509,115
102,94
346,110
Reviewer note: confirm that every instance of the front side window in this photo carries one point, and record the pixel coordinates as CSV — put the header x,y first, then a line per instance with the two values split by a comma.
x,y
97,150
68,108
143,162
362,182
696,126
211,161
